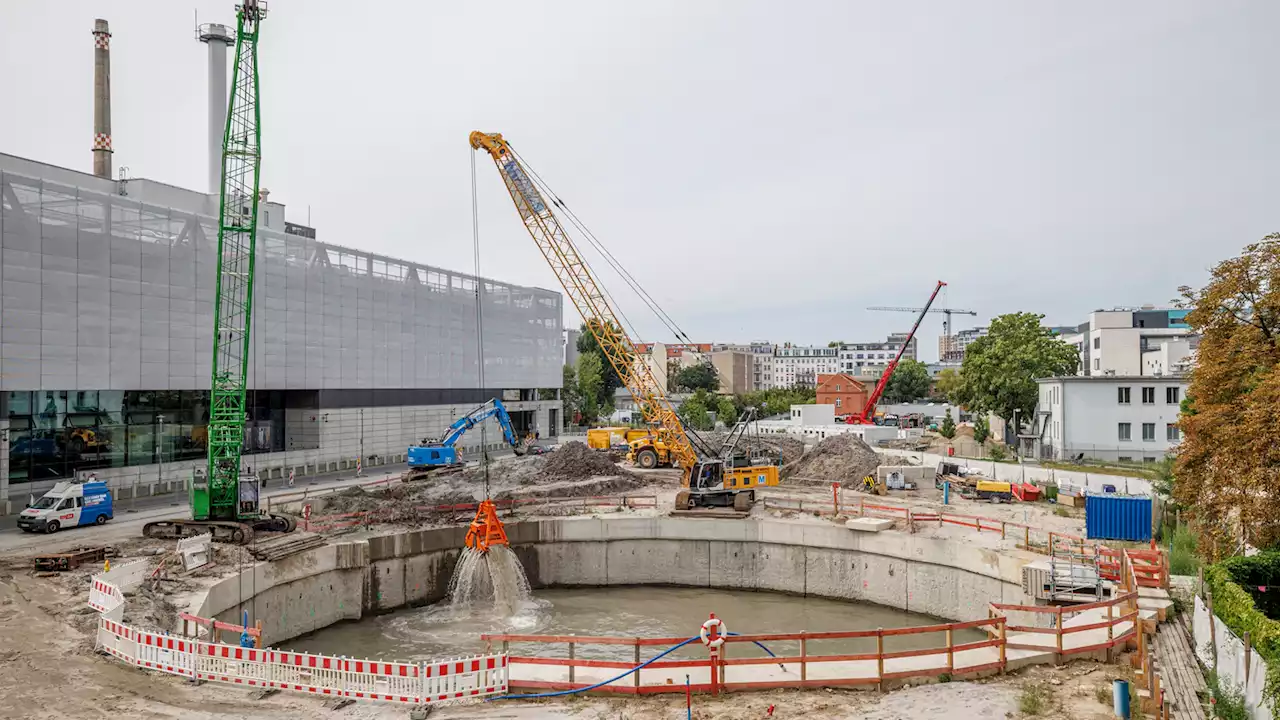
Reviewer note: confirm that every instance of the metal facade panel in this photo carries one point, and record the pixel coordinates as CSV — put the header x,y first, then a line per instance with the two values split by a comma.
x,y
326,316
1117,517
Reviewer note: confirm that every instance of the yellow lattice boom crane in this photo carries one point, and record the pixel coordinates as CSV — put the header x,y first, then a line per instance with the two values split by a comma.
x,y
705,479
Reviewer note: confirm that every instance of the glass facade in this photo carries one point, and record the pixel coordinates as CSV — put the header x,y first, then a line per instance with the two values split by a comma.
x,y
55,433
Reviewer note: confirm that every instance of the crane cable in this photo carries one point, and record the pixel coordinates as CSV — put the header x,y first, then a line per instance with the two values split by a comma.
x,y
475,241
645,297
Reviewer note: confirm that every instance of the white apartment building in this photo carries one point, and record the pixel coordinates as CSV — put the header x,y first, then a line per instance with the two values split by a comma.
x,y
951,348
1110,417
1118,341
801,365
870,359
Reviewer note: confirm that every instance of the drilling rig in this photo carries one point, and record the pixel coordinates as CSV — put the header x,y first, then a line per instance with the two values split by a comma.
x,y
224,501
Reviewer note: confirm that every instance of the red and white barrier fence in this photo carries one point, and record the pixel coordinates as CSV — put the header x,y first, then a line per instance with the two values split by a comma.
x,y
419,683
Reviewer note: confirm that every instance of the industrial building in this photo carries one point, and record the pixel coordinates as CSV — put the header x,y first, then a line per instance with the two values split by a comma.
x,y
106,332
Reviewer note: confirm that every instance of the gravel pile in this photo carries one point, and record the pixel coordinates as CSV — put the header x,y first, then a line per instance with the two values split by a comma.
x,y
840,458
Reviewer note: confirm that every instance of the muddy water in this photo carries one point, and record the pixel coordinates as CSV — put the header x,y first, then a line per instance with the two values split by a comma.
x,y
444,630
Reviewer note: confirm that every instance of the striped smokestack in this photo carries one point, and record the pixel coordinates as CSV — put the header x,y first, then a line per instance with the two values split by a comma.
x,y
101,99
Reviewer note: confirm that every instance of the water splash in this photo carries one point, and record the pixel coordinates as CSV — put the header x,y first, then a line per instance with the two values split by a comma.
x,y
493,579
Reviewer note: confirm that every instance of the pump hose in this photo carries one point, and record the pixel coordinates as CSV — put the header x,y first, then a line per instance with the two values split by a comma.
x,y
637,668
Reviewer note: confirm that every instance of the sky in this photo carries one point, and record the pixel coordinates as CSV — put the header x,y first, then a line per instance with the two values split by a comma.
x,y
765,170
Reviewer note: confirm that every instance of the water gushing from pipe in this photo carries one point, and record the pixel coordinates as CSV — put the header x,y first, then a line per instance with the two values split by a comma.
x,y
493,578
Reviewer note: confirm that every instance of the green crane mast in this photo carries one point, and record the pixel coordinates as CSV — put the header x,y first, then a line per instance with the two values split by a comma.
x,y
224,501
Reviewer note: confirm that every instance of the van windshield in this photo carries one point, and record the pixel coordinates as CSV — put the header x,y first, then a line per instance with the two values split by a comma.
x,y
45,502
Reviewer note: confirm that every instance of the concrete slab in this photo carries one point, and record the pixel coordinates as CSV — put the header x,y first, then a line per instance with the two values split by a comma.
x,y
868,524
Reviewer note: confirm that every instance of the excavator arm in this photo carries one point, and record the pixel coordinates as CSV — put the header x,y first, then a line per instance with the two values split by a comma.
x,y
587,296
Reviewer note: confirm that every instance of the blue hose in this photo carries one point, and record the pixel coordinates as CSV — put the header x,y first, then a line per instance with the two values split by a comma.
x,y
762,647
558,693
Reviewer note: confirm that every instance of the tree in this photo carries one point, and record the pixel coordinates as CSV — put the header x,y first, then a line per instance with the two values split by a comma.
x,y
981,428
948,427
726,411
588,345
947,383
590,382
776,401
699,376
569,394
910,381
835,343
695,411
1000,369
1226,462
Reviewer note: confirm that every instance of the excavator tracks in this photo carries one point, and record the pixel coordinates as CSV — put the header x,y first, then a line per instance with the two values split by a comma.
x,y
223,531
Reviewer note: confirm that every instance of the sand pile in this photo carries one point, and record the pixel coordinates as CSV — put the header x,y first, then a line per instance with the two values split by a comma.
x,y
840,458
787,448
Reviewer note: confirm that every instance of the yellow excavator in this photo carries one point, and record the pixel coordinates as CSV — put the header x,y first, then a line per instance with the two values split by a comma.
x,y
707,480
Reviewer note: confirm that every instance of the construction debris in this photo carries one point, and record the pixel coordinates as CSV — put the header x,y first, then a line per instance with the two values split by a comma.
x,y
787,448
840,458
74,559
286,545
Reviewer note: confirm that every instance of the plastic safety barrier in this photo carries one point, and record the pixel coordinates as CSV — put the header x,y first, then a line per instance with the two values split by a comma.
x,y
420,683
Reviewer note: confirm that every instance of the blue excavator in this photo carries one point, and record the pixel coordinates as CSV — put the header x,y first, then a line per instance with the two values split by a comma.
x,y
439,454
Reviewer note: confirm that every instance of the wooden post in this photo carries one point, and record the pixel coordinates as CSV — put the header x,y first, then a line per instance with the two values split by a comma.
x,y
506,646
724,653
880,659
1110,634
950,653
572,655
911,522
1004,639
1026,537
257,642
1058,657
804,655
636,674
1213,629
835,498
862,507
1002,529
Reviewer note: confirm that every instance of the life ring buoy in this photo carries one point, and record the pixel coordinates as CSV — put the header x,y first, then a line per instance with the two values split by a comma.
x,y
705,633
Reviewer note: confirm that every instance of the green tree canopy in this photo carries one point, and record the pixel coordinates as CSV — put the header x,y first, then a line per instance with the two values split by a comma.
x,y
569,394
947,383
948,427
726,411
588,345
699,376
695,411
775,401
590,381
981,428
910,382
1000,369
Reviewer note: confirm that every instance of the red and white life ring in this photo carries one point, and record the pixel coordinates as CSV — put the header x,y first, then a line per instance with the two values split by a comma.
x,y
720,631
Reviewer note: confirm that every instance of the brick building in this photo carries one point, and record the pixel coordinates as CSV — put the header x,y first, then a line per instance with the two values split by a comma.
x,y
844,391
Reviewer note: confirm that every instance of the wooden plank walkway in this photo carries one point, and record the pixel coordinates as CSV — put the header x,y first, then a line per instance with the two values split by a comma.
x,y
1180,674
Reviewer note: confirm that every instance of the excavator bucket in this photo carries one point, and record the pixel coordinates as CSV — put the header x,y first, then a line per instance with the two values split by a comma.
x,y
486,529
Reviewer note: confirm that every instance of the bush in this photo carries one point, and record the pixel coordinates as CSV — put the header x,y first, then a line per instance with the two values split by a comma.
x,y
1228,701
1236,608
1034,699
1182,552
998,453
948,427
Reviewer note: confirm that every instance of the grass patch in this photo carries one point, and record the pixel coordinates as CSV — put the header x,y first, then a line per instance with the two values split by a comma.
x,y
1034,699
1102,693
1135,472
1061,512
1182,552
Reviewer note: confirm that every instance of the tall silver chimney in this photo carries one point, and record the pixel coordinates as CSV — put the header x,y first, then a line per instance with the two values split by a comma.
x,y
218,38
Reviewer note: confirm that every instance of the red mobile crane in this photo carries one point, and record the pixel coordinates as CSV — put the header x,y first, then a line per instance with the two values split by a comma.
x,y
868,414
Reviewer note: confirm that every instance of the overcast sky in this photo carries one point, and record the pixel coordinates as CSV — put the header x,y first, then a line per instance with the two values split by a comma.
x,y
765,169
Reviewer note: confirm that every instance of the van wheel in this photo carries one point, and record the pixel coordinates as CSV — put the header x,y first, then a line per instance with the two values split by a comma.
x,y
52,527
647,459
102,519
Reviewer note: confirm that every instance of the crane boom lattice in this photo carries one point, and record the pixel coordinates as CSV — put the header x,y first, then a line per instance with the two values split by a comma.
x,y
237,232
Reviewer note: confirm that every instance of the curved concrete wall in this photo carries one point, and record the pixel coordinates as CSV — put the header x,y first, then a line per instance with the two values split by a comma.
x,y
345,581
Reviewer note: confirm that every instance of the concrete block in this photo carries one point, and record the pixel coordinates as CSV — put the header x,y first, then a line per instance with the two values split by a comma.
x,y
869,524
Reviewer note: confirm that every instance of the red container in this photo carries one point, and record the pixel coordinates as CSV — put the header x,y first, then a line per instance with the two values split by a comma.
x,y
951,452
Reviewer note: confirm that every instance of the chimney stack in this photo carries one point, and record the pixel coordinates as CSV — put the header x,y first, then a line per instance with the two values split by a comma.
x,y
101,99
218,38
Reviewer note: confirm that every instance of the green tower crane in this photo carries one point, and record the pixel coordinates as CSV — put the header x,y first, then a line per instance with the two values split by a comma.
x,y
224,501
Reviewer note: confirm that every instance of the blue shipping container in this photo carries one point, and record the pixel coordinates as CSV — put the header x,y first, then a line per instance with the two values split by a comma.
x,y
1111,517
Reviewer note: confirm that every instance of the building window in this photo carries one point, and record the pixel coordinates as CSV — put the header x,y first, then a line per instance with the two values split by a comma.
x,y
1124,431
1148,459
1122,395
1097,343
1148,396
1097,363
1172,433
1171,395
837,402
1125,458
1148,431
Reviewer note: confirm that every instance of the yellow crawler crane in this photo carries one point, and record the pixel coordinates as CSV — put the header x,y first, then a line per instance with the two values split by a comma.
x,y
705,481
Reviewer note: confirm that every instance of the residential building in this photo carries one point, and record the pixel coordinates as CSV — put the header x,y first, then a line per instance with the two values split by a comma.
x,y
734,369
657,358
951,348
801,365
843,391
871,359
1110,417
106,316
1114,342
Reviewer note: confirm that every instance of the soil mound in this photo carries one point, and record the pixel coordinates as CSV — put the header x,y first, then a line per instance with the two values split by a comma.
x,y
575,461
840,458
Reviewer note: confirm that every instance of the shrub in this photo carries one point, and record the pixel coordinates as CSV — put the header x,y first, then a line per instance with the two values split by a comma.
x,y
998,452
1034,699
1236,608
